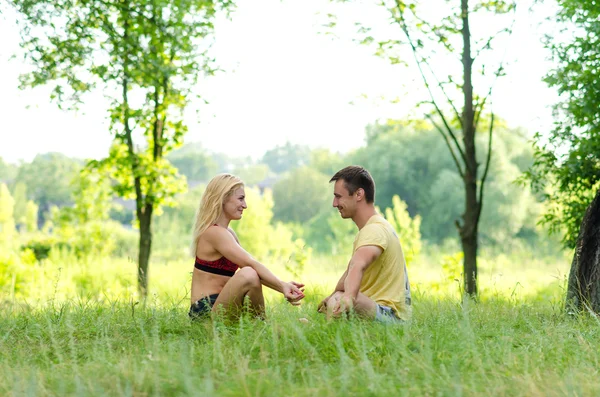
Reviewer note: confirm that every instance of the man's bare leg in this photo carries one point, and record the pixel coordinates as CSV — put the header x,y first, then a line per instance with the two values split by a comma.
x,y
363,305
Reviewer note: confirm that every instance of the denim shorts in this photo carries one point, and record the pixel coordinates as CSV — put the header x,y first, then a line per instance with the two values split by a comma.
x,y
386,314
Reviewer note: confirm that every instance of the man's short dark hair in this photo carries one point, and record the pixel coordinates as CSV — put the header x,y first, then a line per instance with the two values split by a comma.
x,y
356,177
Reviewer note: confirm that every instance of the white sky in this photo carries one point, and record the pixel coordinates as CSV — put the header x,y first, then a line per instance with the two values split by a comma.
x,y
283,81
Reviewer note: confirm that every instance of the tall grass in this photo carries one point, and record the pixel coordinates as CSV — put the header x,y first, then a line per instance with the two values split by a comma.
x,y
77,327
495,347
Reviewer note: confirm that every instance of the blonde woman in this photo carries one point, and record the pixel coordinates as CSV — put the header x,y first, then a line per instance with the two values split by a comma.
x,y
224,273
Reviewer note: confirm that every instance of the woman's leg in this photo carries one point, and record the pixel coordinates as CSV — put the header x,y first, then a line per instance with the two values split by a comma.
x,y
231,298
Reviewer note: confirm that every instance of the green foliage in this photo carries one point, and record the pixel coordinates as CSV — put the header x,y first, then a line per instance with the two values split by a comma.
x,y
173,229
47,180
92,196
300,195
253,174
119,213
94,237
194,162
404,159
7,221
298,260
451,273
7,171
31,216
286,157
40,248
19,193
326,162
408,229
567,161
447,54
407,159
153,188
255,231
17,272
147,55
84,228
260,237
328,233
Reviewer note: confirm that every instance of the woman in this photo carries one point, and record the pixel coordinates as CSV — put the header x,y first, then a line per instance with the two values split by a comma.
x,y
217,284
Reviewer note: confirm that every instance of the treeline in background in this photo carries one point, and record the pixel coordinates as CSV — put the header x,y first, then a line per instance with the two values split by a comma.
x,y
62,222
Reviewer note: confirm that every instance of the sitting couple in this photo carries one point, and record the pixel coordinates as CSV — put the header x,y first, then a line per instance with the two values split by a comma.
x,y
374,286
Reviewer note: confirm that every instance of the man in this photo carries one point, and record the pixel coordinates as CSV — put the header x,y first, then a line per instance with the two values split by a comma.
x,y
375,284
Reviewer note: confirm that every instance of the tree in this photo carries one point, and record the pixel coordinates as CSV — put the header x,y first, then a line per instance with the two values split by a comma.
x,y
7,222
253,174
407,228
85,227
194,162
300,195
286,157
92,196
147,56
567,161
329,233
407,159
31,216
47,180
7,171
326,162
444,38
583,290
256,232
19,193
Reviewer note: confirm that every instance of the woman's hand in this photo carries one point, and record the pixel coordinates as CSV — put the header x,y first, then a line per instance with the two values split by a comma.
x,y
293,292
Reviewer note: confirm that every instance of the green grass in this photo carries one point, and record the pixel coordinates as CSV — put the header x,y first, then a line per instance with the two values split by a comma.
x,y
451,348
75,327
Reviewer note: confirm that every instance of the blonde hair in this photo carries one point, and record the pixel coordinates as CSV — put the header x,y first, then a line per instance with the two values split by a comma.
x,y
218,190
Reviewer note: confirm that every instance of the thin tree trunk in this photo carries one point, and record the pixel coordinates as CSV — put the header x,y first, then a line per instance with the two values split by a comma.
x,y
469,230
583,289
142,216
145,248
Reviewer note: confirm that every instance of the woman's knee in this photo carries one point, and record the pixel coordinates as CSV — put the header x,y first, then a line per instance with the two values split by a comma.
x,y
249,276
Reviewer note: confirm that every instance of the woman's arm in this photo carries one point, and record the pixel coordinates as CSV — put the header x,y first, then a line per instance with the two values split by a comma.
x,y
225,243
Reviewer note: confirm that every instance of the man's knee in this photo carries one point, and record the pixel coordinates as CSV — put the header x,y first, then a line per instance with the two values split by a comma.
x,y
249,276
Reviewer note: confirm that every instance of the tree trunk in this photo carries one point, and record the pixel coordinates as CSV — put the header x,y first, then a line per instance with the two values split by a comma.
x,y
143,212
468,238
468,231
145,247
583,290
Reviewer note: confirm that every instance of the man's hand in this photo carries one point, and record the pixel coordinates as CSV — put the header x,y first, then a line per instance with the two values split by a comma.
x,y
344,305
293,292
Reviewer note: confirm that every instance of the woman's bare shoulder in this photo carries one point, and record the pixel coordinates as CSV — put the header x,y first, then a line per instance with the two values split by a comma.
x,y
215,233
230,230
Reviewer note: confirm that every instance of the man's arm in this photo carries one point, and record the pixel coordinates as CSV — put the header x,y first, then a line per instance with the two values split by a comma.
x,y
361,259
340,284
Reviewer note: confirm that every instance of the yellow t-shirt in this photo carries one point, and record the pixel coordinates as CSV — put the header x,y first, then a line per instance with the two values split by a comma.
x,y
385,280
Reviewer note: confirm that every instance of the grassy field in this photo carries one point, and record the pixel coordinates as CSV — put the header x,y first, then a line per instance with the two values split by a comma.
x,y
78,328
451,348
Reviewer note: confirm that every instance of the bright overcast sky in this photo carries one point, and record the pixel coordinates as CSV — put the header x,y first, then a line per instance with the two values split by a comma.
x,y
283,81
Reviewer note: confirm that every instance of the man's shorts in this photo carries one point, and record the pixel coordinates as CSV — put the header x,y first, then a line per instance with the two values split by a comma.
x,y
386,314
